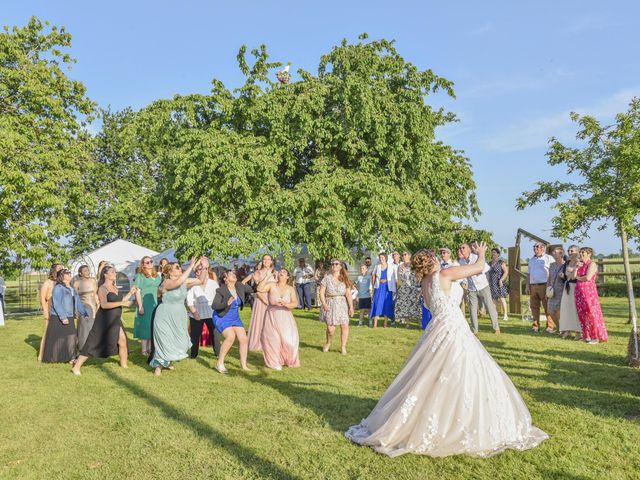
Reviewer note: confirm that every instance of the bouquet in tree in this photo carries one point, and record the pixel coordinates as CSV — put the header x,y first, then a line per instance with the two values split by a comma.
x,y
283,75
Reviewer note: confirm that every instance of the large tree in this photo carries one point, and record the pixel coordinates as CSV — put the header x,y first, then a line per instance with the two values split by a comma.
x,y
608,192
121,189
341,159
44,147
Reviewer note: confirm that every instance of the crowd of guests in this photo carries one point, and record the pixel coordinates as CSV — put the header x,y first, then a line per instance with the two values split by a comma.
x,y
565,286
176,309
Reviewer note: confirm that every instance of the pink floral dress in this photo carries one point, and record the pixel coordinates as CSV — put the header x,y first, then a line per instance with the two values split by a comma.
x,y
588,306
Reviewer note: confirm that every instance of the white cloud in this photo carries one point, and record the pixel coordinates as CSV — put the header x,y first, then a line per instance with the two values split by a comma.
x,y
536,132
482,29
518,83
590,23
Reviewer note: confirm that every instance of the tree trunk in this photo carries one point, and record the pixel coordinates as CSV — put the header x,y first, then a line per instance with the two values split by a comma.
x,y
633,357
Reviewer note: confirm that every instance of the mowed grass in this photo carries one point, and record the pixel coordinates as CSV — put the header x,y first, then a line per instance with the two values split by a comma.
x,y
195,423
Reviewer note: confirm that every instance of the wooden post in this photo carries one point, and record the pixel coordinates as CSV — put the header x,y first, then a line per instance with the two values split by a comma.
x,y
601,269
515,282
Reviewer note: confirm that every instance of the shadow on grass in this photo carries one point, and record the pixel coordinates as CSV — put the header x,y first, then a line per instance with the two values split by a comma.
x,y
262,467
338,410
33,341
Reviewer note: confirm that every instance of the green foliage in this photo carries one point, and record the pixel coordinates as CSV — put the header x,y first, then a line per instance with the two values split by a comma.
x,y
608,164
44,148
346,158
122,202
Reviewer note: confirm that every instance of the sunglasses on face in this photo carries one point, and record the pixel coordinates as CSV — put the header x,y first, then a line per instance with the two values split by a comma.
x,y
335,264
147,262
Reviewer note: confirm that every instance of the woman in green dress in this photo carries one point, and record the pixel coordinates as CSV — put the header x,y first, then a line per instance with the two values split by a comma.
x,y
171,340
148,280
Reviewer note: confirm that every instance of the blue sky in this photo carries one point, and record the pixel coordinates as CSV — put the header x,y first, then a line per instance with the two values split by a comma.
x,y
519,68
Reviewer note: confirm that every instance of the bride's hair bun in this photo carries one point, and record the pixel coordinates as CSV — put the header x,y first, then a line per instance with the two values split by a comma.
x,y
423,262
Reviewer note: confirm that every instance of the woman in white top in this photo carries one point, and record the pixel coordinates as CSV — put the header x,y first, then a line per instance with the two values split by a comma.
x,y
569,322
199,300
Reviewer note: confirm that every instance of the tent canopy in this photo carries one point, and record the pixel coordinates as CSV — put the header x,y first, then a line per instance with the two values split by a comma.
x,y
123,255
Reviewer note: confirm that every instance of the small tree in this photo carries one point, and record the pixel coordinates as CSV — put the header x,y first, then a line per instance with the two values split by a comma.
x,y
609,164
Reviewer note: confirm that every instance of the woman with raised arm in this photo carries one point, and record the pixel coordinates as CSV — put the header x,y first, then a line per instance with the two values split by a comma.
x,y
87,288
148,280
171,340
266,274
46,291
107,337
450,397
229,300
337,303
280,338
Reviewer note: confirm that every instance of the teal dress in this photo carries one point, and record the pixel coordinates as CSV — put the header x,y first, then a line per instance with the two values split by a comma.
x,y
170,335
149,292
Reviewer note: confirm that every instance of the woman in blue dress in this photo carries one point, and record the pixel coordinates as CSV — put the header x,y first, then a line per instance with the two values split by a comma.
x,y
384,281
229,300
171,340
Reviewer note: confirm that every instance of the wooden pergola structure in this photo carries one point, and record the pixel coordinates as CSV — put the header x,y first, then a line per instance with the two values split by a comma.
x,y
516,275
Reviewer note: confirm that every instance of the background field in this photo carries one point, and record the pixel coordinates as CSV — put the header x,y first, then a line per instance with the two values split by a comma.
x,y
195,423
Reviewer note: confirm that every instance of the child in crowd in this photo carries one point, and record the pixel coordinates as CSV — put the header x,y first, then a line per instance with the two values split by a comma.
x,y
365,290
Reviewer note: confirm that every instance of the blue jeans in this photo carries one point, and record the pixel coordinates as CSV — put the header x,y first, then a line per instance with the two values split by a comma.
x,y
304,295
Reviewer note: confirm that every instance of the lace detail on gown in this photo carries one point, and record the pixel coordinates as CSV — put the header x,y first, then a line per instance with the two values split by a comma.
x,y
450,397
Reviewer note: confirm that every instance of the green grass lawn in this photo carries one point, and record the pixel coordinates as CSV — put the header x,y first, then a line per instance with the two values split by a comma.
x,y
195,423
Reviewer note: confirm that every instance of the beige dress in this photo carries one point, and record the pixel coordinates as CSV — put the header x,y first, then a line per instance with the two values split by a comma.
x,y
338,313
87,291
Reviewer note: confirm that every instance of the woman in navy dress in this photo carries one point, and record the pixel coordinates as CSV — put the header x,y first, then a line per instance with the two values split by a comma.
x,y
229,300
384,281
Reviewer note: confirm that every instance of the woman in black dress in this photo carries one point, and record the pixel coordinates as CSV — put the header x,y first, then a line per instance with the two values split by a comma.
x,y
107,337
61,336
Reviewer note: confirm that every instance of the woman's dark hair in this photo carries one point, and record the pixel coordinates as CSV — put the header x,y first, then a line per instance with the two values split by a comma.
x,y
103,272
495,249
60,275
82,267
225,274
53,271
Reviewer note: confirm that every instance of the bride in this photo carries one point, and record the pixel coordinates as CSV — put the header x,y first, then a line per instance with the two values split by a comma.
x,y
450,397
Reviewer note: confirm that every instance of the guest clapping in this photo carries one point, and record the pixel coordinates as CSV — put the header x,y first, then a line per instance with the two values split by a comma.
x,y
280,333
107,336
337,305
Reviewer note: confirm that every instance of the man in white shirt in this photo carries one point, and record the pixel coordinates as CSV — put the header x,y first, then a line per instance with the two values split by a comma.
x,y
303,275
478,287
538,274
199,300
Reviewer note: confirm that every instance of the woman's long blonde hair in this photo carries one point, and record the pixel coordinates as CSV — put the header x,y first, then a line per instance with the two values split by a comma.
x,y
142,269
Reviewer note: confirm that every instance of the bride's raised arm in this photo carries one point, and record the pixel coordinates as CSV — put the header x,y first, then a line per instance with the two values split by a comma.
x,y
463,271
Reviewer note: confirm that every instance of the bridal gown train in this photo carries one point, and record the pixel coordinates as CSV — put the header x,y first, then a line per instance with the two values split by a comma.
x,y
451,397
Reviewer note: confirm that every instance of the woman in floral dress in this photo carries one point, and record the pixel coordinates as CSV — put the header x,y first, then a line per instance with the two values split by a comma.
x,y
408,292
588,301
337,305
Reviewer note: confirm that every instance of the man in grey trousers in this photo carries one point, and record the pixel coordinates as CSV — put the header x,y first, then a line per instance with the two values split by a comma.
x,y
478,286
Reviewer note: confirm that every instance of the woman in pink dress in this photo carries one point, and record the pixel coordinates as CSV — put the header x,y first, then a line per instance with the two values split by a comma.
x,y
587,300
280,333
264,275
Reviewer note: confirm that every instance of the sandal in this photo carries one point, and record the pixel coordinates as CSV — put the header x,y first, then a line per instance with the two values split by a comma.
x,y
549,330
535,329
221,369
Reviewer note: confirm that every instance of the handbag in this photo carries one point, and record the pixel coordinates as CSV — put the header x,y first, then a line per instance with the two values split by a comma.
x,y
549,292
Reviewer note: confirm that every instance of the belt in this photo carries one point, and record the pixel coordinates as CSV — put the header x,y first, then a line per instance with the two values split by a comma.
x,y
544,283
383,281
333,296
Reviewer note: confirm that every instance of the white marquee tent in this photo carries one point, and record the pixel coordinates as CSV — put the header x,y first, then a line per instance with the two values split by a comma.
x,y
123,255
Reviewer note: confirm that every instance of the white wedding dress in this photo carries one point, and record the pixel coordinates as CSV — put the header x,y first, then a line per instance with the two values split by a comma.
x,y
451,397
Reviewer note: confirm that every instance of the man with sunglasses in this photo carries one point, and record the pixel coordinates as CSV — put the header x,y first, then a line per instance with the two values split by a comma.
x,y
537,278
